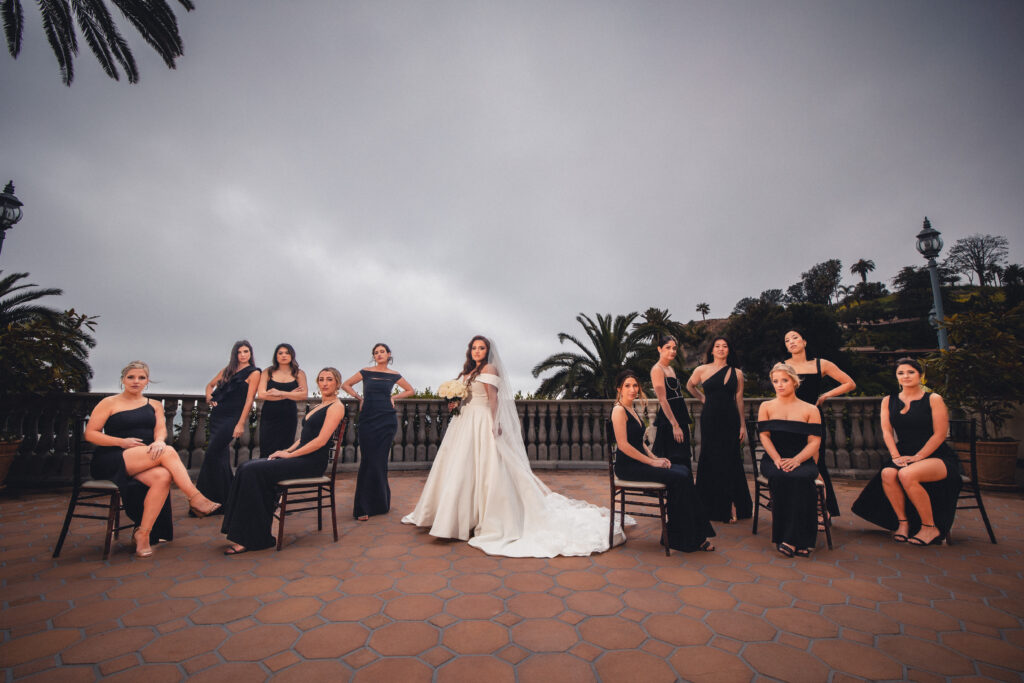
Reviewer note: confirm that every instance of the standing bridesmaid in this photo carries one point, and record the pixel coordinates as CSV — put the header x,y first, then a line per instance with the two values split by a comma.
x,y
282,386
812,374
230,393
377,426
721,481
672,434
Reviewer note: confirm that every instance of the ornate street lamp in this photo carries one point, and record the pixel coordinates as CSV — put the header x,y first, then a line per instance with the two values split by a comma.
x,y
929,243
10,211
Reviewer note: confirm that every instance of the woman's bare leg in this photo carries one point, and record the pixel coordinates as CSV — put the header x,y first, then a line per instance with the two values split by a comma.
x,y
894,492
911,478
158,480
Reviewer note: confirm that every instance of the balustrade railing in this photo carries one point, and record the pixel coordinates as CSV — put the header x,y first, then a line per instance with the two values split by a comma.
x,y
558,434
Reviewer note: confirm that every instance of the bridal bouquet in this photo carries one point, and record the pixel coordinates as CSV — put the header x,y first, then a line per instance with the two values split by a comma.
x,y
454,391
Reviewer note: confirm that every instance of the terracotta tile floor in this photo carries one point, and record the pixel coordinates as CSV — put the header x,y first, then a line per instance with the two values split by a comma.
x,y
390,603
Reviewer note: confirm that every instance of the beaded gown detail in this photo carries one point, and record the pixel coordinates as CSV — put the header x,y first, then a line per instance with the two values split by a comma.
x,y
214,478
665,444
249,510
912,430
721,481
688,526
809,390
108,463
377,426
278,420
481,488
794,494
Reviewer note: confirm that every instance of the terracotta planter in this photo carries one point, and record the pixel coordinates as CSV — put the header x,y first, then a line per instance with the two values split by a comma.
x,y
997,463
8,449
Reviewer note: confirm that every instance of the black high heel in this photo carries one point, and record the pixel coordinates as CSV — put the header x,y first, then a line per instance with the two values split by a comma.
x,y
914,540
899,538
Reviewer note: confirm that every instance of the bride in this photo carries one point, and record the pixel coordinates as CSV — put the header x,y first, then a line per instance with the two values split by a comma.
x,y
481,487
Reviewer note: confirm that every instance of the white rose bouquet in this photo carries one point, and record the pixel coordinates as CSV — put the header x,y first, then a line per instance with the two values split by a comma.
x,y
454,390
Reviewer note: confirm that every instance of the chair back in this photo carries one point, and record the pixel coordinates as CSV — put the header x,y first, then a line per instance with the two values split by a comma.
x,y
754,439
81,450
613,446
966,431
336,446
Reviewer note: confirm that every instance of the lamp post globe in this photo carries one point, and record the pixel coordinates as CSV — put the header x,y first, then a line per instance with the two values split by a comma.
x,y
10,211
929,244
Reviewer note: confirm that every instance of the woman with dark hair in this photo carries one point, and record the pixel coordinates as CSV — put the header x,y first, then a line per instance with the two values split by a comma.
x,y
481,488
790,431
129,431
282,386
249,510
672,435
688,527
721,481
812,375
230,393
377,427
923,469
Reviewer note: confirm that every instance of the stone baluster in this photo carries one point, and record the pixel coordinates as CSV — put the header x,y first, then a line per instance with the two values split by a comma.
x,y
181,444
841,444
857,456
564,434
433,436
531,430
420,452
576,416
170,417
542,431
200,436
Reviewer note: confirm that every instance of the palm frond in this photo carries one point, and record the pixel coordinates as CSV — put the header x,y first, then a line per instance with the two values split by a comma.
x,y
60,33
156,23
14,24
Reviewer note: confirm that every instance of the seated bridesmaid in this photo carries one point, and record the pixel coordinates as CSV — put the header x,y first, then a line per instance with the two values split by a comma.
x,y
790,432
129,431
249,511
688,527
924,470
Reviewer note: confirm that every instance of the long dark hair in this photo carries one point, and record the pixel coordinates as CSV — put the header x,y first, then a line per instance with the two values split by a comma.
x,y
729,360
294,364
470,369
232,367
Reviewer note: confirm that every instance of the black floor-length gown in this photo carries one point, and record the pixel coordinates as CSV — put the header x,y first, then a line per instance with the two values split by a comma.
x,y
794,495
809,390
278,420
108,463
721,481
665,444
249,510
913,429
377,427
688,527
214,478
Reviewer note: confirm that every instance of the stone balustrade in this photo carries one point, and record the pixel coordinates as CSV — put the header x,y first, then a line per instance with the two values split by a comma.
x,y
558,434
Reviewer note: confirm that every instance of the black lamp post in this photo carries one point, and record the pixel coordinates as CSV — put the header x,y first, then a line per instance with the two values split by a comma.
x,y
929,243
10,211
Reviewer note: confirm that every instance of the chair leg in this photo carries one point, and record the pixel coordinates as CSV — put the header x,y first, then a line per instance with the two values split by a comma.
x,y
112,522
826,517
67,523
611,522
319,508
334,514
984,516
663,509
757,504
280,520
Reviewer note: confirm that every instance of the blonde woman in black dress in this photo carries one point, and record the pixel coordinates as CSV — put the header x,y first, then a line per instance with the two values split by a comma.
x,y
812,374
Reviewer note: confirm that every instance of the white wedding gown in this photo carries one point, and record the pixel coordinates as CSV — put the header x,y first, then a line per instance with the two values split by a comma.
x,y
481,488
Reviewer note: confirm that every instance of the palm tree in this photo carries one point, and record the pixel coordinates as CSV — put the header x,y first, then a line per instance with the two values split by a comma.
x,y
41,348
862,268
703,309
153,19
591,372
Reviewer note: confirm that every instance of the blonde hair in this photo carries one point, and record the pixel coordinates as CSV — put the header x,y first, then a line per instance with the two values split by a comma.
x,y
134,365
334,372
788,369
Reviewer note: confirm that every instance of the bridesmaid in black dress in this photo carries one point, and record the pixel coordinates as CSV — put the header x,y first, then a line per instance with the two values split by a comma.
x,y
790,431
377,427
688,528
249,511
721,481
812,376
129,431
231,394
672,425
282,386
924,469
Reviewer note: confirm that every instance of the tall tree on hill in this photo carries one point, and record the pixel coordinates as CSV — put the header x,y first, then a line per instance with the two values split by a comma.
x,y
978,255
862,268
821,282
153,19
703,309
590,372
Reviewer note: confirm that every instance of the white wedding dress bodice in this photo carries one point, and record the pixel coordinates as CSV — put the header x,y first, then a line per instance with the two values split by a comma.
x,y
481,489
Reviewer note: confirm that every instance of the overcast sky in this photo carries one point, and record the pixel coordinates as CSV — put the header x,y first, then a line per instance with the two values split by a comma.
x,y
333,174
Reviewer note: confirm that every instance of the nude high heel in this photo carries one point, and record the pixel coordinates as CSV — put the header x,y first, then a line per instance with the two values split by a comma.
x,y
141,552
204,511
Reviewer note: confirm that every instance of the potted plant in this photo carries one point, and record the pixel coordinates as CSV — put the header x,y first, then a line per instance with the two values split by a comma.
x,y
982,375
9,444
